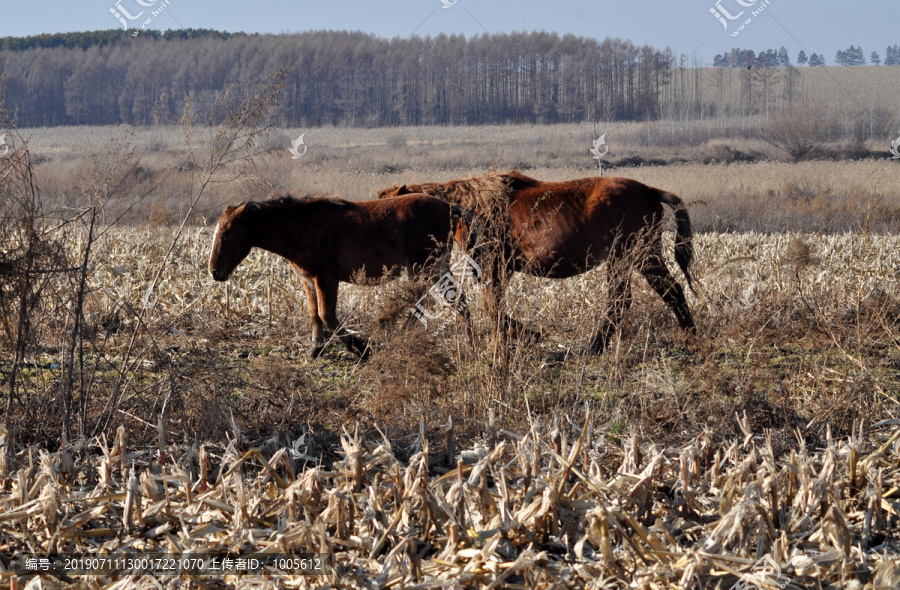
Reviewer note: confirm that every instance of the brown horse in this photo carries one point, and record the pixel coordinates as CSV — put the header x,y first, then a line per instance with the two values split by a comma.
x,y
329,240
562,229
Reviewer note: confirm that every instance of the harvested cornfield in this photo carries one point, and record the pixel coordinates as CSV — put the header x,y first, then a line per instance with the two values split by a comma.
x,y
567,506
162,430
186,421
792,328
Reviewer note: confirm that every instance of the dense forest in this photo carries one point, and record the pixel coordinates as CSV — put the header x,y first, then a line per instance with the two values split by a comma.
x,y
354,79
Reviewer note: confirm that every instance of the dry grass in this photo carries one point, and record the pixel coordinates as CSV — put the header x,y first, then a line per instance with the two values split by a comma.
x,y
356,162
725,194
758,196
773,432
573,504
827,303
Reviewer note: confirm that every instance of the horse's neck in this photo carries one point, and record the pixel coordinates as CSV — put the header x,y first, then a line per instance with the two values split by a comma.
x,y
280,232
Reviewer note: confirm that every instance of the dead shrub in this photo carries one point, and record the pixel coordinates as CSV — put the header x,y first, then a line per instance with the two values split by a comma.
x,y
32,263
799,128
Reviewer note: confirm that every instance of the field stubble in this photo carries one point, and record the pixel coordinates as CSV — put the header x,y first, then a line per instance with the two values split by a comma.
x,y
797,349
763,451
792,324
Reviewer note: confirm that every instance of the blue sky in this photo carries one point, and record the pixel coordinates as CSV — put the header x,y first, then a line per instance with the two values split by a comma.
x,y
684,25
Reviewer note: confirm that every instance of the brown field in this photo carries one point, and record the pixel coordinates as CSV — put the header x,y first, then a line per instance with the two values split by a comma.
x,y
734,184
771,432
797,346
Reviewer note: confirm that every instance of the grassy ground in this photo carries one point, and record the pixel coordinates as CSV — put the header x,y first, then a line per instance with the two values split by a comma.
x,y
796,329
763,450
797,348
787,253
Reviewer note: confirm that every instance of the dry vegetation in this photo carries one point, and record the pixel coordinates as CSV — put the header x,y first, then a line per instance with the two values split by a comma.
x,y
669,461
733,184
577,507
673,480
769,306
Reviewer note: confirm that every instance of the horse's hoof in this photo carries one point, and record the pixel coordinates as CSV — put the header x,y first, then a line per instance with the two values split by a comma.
x,y
597,346
359,347
316,351
558,356
363,351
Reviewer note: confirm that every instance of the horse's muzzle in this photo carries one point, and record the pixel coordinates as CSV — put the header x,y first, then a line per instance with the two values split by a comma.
x,y
218,275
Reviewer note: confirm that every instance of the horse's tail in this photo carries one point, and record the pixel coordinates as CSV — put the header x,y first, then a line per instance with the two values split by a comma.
x,y
684,246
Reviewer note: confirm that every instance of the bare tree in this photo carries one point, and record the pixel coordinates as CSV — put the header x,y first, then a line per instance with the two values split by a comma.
x,y
790,85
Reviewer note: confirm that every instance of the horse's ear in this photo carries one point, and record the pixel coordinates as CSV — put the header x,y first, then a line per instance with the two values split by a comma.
x,y
403,190
251,206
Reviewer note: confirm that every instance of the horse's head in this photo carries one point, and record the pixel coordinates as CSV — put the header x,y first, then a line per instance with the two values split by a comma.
x,y
394,191
231,242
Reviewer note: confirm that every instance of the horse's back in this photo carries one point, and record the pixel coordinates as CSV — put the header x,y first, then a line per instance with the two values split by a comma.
x,y
409,212
397,232
423,222
603,199
565,227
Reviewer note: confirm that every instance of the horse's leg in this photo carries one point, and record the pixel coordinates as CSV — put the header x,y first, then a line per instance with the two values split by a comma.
x,y
418,291
518,330
492,298
436,274
619,279
327,295
500,278
312,305
662,281
491,250
495,279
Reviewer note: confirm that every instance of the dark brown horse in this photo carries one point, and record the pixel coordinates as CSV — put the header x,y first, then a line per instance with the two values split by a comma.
x,y
562,229
328,241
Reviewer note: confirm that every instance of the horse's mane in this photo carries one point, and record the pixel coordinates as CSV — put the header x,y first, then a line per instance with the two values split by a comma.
x,y
478,192
287,204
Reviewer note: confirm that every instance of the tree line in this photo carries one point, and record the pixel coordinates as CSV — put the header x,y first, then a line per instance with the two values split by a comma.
x,y
108,37
357,79
338,78
770,58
